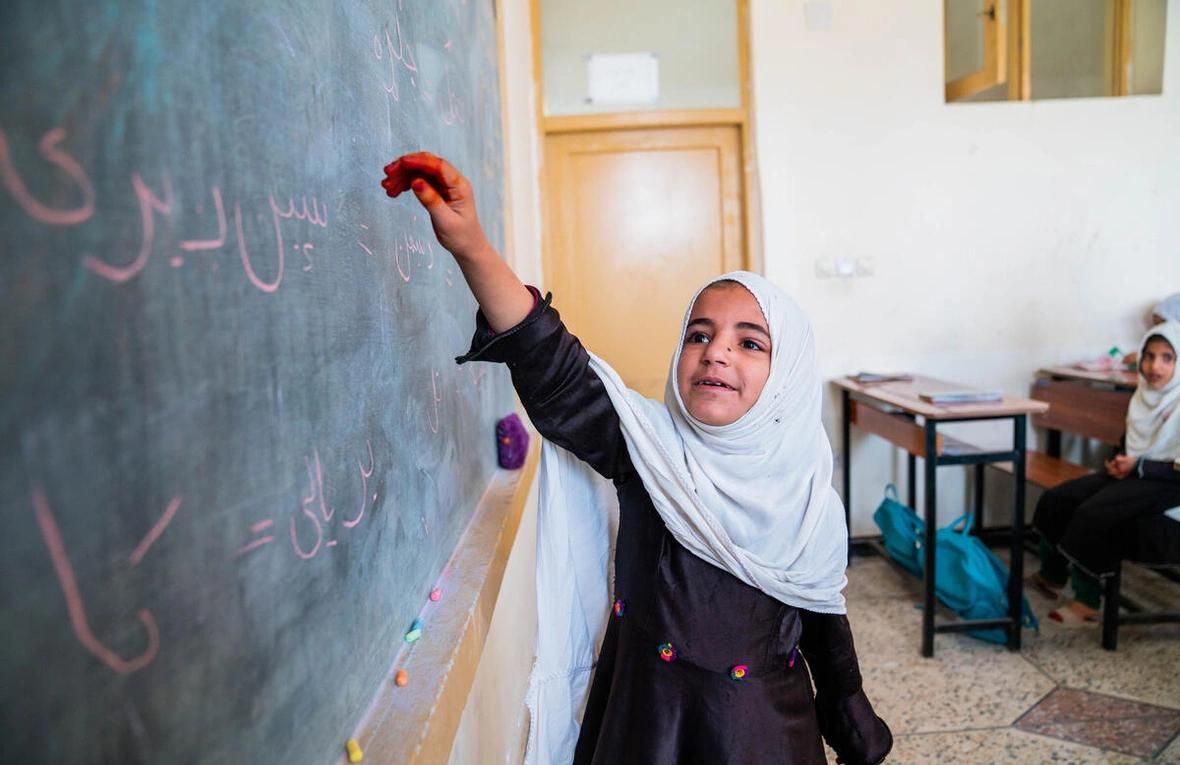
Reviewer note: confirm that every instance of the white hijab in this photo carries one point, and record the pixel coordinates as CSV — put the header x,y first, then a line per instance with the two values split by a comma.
x,y
753,498
1168,308
1153,419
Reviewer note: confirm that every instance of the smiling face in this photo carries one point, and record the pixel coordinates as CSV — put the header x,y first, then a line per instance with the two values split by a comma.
x,y
1157,364
725,359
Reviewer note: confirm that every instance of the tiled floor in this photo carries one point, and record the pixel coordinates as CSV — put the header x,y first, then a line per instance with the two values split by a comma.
x,y
1061,700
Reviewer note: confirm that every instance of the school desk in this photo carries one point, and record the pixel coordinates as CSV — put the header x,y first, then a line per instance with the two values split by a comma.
x,y
1104,396
892,410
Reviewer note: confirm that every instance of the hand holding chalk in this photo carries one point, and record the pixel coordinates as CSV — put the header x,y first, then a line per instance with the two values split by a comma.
x,y
447,197
450,201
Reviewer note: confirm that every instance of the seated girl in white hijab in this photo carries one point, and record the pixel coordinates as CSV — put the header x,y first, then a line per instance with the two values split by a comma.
x,y
731,543
1080,520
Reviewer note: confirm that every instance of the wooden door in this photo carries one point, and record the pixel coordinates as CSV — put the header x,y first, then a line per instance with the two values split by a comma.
x,y
635,221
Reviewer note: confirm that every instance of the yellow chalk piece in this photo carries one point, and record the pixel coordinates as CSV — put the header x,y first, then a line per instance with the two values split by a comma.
x,y
401,678
354,751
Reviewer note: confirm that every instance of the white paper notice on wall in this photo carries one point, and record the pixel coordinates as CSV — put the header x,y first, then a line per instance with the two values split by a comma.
x,y
623,78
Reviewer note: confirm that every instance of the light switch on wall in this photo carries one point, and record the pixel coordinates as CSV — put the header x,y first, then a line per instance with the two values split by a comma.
x,y
844,267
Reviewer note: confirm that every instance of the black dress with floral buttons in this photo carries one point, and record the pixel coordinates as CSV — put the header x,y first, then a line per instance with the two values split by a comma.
x,y
696,666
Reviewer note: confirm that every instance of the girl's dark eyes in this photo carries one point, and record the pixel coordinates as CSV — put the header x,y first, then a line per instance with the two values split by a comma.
x,y
701,337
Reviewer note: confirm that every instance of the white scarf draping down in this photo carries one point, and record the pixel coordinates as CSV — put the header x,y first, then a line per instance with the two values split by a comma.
x,y
1153,422
753,498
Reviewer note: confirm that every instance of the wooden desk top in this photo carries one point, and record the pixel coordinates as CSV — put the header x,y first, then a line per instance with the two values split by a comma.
x,y
1120,377
903,394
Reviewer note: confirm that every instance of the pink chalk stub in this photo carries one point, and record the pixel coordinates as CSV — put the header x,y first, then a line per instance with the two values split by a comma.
x,y
435,594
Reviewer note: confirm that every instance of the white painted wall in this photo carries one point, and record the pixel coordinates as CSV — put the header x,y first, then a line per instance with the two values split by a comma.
x,y
1005,236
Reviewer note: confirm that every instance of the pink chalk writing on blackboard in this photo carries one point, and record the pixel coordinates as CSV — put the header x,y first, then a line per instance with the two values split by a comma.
x,y
247,264
365,476
149,203
74,605
364,246
397,261
403,54
452,110
191,245
34,208
436,397
315,475
158,529
319,534
313,215
261,541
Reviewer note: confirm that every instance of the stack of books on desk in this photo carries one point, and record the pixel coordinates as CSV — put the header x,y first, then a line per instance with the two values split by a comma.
x,y
875,377
963,396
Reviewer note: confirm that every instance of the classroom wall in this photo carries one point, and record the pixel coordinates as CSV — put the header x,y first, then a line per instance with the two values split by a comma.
x,y
1002,236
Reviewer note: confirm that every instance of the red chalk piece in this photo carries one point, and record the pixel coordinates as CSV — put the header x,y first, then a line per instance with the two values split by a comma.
x,y
435,594
401,678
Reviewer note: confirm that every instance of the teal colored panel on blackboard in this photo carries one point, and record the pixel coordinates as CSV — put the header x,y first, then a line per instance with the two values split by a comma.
x,y
237,451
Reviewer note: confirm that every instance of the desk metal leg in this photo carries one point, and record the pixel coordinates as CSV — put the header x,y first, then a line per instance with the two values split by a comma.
x,y
977,507
846,436
930,465
1053,444
1016,563
912,478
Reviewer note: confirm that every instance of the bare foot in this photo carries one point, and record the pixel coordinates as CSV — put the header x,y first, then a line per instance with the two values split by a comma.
x,y
1074,614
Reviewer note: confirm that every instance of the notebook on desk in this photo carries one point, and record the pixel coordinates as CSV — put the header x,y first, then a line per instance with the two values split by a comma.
x,y
876,377
960,396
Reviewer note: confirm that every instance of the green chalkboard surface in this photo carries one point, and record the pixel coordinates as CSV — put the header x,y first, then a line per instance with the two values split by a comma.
x,y
236,450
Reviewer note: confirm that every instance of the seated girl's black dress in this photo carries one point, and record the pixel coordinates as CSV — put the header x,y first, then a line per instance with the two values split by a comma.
x,y
696,666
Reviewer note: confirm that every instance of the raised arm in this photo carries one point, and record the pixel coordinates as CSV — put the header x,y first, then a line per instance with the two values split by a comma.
x,y
551,372
448,199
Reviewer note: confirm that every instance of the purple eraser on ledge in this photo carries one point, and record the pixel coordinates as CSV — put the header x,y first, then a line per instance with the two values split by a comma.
x,y
512,442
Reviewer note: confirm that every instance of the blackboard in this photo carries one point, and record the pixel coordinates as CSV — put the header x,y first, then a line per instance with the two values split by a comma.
x,y
237,451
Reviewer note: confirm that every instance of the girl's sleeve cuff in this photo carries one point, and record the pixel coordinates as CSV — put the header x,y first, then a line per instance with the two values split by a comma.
x,y
487,345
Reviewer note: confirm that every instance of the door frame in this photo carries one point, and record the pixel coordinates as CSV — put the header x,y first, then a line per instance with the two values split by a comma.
x,y
738,117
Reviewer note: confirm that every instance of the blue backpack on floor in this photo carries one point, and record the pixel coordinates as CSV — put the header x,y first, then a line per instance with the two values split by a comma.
x,y
901,530
968,577
971,581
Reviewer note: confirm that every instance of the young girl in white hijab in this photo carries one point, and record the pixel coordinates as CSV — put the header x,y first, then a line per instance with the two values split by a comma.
x,y
731,544
1080,519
